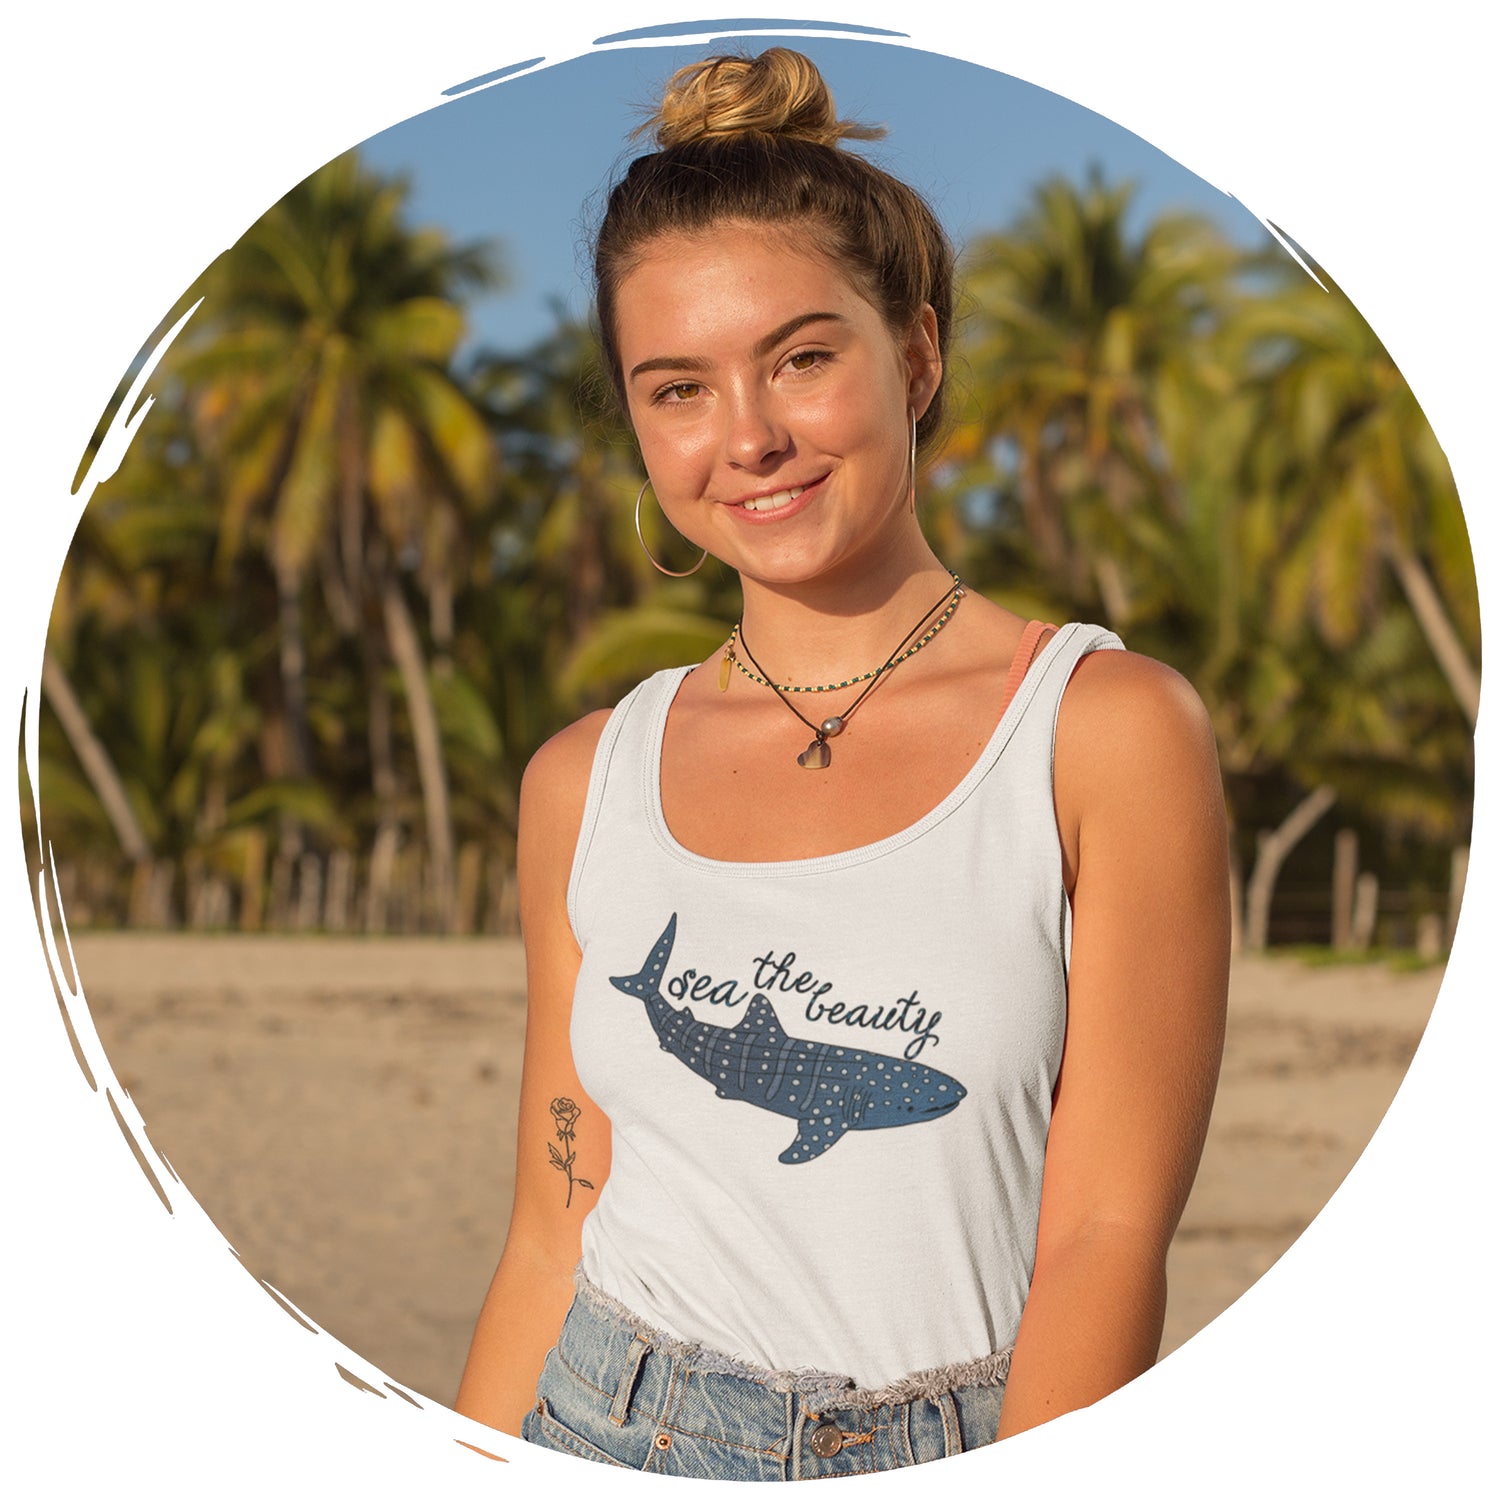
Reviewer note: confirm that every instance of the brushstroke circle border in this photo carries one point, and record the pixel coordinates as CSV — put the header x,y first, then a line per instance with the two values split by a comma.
x,y
139,1320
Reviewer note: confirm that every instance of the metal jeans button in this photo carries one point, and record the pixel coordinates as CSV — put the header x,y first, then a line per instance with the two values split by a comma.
x,y
826,1439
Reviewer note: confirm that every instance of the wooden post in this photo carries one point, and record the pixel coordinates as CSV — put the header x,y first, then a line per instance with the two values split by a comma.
x,y
1458,874
159,894
216,902
195,890
252,882
309,892
336,903
1345,869
466,894
1366,903
382,867
410,888
1236,902
137,911
1272,849
508,904
494,881
1430,936
281,892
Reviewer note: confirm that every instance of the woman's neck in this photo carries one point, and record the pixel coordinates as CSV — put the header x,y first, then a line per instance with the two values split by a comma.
x,y
839,627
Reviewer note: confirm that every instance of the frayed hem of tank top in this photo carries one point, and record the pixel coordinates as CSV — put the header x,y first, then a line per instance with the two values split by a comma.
x,y
835,1392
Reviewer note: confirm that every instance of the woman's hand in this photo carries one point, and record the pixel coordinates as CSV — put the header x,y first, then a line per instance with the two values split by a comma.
x,y
562,1139
1141,819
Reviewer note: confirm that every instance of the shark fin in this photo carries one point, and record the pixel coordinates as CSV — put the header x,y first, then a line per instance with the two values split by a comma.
x,y
760,1017
814,1137
647,981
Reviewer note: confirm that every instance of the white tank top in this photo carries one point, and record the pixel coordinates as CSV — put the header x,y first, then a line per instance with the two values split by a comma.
x,y
829,1080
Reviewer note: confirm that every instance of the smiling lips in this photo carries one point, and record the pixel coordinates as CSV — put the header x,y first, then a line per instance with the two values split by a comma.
x,y
773,502
777,503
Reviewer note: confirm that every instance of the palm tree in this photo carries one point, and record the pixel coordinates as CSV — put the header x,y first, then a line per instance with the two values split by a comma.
x,y
1363,491
1088,349
319,373
151,675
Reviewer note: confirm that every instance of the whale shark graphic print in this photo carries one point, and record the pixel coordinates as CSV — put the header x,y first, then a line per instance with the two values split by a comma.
x,y
828,1090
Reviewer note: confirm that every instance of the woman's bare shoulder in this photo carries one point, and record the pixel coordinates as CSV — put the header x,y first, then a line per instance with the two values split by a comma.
x,y
1122,701
558,773
1130,730
554,791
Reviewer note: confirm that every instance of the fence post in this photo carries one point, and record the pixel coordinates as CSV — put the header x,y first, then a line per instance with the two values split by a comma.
x,y
1458,873
309,892
1366,903
382,867
466,888
1345,869
252,878
1272,847
340,887
1430,936
411,891
281,892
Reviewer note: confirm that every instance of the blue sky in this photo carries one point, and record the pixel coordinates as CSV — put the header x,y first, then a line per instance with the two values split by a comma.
x,y
517,161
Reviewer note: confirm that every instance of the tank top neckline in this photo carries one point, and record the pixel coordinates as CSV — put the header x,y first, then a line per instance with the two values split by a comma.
x,y
669,681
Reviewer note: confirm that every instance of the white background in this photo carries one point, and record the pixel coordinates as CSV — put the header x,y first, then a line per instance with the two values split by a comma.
x,y
142,140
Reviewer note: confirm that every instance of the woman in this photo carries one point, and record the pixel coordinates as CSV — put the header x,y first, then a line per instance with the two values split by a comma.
x,y
869,1057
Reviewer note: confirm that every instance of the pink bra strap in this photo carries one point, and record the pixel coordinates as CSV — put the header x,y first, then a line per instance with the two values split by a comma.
x,y
1032,639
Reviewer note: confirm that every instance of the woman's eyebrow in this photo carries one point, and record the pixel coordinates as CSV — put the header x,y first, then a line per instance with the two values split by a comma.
x,y
694,365
794,325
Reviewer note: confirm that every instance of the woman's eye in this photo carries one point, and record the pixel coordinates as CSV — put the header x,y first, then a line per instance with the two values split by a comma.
x,y
678,392
807,359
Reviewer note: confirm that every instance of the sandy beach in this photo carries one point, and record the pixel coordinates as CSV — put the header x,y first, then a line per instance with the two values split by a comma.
x,y
344,1110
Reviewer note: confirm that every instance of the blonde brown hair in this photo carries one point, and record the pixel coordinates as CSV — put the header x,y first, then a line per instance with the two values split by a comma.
x,y
757,139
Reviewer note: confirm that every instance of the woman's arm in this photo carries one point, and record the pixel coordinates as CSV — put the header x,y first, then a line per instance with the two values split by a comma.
x,y
533,1283
1141,818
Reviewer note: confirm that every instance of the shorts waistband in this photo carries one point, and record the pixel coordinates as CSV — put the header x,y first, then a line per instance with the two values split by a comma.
x,y
819,1388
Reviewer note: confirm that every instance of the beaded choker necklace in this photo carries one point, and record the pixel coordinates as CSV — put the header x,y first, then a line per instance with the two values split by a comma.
x,y
818,756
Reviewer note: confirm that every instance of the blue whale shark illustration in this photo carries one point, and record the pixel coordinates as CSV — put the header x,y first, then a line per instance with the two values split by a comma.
x,y
828,1090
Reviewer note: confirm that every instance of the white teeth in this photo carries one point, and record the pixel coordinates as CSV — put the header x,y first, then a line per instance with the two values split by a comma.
x,y
773,502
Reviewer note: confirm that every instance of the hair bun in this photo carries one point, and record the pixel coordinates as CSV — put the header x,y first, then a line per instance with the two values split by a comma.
x,y
779,93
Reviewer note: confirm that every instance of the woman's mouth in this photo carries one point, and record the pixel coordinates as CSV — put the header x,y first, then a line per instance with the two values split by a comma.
x,y
773,502
780,504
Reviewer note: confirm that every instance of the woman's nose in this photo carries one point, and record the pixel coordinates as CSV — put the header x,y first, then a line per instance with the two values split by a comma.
x,y
754,433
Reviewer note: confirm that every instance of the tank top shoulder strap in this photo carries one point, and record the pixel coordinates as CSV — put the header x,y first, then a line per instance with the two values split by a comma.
x,y
1041,676
622,763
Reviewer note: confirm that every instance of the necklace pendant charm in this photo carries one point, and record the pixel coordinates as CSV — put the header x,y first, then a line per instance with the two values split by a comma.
x,y
817,756
724,666
830,727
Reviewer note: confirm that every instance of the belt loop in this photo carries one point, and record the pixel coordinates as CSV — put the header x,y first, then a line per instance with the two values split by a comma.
x,y
619,1412
953,1440
799,1426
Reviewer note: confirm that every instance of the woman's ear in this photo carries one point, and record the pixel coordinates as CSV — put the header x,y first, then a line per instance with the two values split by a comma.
x,y
924,362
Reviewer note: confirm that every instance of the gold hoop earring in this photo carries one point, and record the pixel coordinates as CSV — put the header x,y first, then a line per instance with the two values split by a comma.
x,y
640,537
913,500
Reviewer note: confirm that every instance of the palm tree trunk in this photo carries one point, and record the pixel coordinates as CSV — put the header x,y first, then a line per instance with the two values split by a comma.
x,y
407,650
1272,853
382,758
1113,591
94,759
1427,606
293,670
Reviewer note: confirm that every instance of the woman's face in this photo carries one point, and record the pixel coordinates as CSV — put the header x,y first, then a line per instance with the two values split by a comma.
x,y
771,402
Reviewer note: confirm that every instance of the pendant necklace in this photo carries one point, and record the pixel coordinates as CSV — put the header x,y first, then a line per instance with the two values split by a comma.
x,y
818,756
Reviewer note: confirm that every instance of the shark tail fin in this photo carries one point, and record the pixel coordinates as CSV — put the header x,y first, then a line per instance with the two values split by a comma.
x,y
647,981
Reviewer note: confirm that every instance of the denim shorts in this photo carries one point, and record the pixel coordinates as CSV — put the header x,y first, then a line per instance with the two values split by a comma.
x,y
618,1393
